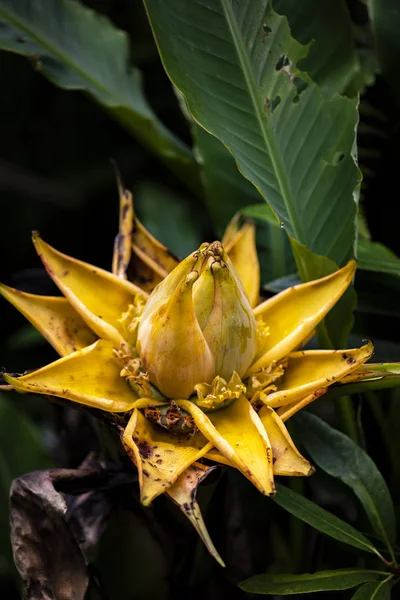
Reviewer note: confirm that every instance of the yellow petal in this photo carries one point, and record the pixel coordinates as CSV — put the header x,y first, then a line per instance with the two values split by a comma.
x,y
161,457
311,370
240,244
151,251
123,241
54,317
295,312
183,492
287,459
287,411
97,295
90,376
238,433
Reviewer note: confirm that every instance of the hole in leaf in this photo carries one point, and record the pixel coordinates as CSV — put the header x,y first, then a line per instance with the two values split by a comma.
x,y
300,86
275,102
266,29
282,62
338,157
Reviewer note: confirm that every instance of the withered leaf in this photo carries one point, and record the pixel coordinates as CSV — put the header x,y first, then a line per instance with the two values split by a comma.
x,y
49,557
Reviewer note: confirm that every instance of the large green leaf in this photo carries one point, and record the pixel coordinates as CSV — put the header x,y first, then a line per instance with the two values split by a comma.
x,y
373,591
321,519
226,192
340,457
235,63
79,49
371,256
308,582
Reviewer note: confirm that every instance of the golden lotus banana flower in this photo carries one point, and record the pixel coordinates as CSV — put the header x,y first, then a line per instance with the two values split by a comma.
x,y
201,370
198,323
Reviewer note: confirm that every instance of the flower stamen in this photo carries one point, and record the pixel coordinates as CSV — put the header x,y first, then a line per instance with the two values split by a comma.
x,y
131,318
262,383
219,393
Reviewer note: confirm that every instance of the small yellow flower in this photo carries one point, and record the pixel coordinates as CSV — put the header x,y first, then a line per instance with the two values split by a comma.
x,y
199,367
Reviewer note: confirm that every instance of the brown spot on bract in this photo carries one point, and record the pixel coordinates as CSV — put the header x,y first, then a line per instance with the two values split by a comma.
x,y
145,450
351,360
125,207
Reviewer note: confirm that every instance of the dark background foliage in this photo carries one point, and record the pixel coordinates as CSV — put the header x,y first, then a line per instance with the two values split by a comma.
x,y
56,175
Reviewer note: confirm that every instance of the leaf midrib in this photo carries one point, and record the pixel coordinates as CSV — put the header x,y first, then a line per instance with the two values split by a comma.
x,y
263,123
63,58
367,494
345,533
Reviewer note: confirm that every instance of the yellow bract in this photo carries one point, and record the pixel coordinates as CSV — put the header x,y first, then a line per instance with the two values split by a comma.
x,y
195,340
240,245
237,432
311,370
160,458
54,317
293,314
97,295
89,376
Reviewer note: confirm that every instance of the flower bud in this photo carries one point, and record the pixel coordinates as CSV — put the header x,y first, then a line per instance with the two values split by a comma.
x,y
197,324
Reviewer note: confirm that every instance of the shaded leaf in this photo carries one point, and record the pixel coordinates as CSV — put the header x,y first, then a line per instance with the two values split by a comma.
x,y
385,21
78,49
340,457
308,582
321,519
134,558
373,591
282,283
376,257
378,293
266,112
